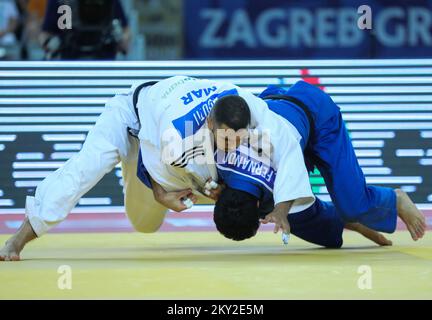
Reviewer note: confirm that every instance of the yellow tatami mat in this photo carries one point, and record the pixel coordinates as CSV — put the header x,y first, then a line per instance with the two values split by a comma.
x,y
204,265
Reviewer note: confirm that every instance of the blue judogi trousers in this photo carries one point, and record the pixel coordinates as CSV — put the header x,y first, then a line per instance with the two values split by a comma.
x,y
328,147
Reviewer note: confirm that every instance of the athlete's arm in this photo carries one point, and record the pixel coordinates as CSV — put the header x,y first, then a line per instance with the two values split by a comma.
x,y
214,194
171,200
279,216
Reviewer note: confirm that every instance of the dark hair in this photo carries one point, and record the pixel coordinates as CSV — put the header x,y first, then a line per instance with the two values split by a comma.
x,y
233,111
236,214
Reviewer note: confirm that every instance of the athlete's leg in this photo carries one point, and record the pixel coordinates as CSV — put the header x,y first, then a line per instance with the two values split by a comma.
x,y
372,206
60,191
321,224
58,194
331,150
334,156
366,232
144,212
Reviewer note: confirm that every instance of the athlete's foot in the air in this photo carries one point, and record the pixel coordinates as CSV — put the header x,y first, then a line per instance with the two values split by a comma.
x,y
372,235
410,215
10,252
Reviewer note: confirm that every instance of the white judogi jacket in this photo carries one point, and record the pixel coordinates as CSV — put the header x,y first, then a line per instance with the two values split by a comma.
x,y
176,146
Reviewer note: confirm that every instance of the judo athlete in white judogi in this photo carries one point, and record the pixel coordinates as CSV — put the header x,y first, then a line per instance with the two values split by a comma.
x,y
107,144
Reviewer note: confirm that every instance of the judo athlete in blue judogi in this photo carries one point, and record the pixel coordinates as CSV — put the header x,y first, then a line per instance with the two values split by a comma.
x,y
248,196
326,145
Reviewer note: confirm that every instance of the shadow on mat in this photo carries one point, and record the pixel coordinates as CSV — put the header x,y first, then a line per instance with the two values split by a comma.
x,y
217,254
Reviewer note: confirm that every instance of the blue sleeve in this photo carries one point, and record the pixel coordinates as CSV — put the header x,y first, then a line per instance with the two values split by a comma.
x,y
120,14
142,172
51,17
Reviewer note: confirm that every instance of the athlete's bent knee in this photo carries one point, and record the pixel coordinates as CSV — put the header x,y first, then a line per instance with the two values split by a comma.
x,y
146,227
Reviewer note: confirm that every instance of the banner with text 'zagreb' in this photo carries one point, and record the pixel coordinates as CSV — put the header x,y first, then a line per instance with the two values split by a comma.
x,y
240,29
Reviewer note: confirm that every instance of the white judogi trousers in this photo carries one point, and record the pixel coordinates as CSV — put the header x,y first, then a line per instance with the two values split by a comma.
x,y
107,144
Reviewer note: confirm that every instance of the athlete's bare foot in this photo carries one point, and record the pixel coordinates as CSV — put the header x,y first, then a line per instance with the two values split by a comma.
x,y
410,215
9,252
13,247
372,235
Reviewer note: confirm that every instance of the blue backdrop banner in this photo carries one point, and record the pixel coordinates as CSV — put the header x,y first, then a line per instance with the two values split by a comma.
x,y
239,29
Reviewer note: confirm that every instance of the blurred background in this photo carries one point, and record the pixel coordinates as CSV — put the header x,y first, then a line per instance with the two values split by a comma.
x,y
213,29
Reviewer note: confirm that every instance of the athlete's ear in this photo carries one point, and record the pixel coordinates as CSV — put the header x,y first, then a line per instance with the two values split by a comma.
x,y
210,123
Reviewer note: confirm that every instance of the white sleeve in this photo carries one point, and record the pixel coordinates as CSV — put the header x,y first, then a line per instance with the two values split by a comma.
x,y
158,170
292,179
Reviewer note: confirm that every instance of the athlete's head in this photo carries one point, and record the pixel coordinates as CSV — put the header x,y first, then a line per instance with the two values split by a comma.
x,y
236,214
229,120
